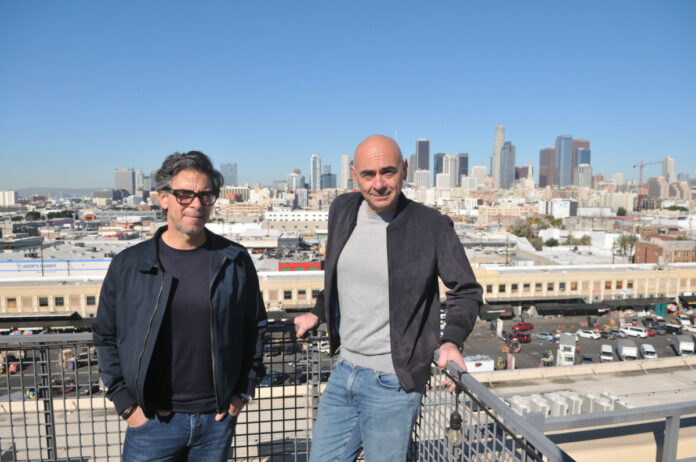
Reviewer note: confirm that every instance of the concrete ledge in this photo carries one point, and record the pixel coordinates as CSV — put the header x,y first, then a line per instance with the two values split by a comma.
x,y
613,367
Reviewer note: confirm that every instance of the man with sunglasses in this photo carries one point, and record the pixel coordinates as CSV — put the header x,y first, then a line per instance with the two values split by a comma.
x,y
180,324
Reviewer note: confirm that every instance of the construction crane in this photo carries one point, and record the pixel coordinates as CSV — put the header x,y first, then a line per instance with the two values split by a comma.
x,y
642,189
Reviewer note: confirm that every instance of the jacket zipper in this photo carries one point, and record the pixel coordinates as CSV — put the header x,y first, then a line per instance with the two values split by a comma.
x,y
147,334
212,352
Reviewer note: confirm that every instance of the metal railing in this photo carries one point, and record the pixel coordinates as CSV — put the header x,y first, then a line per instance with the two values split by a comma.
x,y
52,407
473,424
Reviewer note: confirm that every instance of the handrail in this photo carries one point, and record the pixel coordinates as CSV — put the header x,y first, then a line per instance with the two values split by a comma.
x,y
510,419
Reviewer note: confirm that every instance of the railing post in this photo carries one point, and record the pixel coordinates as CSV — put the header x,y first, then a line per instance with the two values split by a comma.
x,y
48,411
669,445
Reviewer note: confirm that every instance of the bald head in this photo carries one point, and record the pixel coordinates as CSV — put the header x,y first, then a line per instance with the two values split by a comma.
x,y
380,142
379,170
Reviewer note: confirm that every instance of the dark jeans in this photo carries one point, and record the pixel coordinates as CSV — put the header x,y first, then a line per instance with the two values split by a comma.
x,y
180,437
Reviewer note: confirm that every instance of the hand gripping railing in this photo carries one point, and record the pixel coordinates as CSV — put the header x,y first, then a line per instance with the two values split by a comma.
x,y
529,441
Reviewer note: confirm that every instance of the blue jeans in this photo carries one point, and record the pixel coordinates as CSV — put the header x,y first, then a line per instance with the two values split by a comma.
x,y
364,408
180,437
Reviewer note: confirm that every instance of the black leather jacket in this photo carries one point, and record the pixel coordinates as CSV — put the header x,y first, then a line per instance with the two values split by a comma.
x,y
421,245
133,300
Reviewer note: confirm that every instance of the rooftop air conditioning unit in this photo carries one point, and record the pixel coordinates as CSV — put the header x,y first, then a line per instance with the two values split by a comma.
x,y
559,406
610,395
589,400
539,404
520,405
623,403
603,405
574,402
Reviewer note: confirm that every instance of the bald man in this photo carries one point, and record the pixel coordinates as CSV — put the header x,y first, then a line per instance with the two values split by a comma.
x,y
381,303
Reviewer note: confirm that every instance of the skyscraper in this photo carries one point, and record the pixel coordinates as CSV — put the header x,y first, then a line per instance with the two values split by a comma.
x,y
423,154
495,158
438,160
229,172
668,169
345,171
296,180
547,167
507,165
315,173
328,179
412,167
564,160
463,166
577,145
451,169
584,156
421,178
124,178
583,175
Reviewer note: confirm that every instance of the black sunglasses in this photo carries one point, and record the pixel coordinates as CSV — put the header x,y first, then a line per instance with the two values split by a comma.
x,y
186,196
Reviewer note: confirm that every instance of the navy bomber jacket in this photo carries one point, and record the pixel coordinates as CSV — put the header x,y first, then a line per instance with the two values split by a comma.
x,y
133,299
421,245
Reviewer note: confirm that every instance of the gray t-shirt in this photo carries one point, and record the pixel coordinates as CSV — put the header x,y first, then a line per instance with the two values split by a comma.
x,y
363,293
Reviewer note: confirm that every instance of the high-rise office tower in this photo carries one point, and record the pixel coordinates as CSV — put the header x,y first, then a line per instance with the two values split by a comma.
x,y
668,169
577,146
479,172
345,171
583,175
451,169
423,154
547,167
463,166
421,178
139,180
438,160
229,172
328,179
564,160
315,173
296,180
495,158
507,165
412,167
584,156
124,178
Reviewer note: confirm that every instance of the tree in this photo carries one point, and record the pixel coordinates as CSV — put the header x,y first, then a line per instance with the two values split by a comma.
x,y
621,212
551,242
586,240
536,242
33,216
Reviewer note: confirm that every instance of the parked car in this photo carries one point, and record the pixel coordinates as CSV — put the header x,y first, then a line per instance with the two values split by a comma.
x,y
683,320
546,336
521,337
673,328
522,326
647,351
691,329
619,333
584,333
301,360
297,378
656,331
606,353
635,331
272,350
649,321
609,335
273,378
587,359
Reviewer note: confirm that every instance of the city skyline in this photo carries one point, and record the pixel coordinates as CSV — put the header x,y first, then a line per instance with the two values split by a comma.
x,y
88,88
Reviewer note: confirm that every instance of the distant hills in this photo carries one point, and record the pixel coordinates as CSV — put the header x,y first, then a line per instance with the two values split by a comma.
x,y
55,193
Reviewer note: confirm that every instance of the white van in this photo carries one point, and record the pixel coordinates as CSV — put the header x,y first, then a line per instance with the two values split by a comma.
x,y
647,351
606,353
635,331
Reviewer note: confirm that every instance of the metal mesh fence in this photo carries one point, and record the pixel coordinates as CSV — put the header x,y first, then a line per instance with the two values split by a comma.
x,y
52,407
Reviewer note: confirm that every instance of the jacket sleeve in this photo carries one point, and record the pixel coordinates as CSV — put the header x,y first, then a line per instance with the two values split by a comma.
x,y
464,296
105,338
256,319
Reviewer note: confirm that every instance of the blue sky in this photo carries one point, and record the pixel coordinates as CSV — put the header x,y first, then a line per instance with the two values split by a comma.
x,y
86,87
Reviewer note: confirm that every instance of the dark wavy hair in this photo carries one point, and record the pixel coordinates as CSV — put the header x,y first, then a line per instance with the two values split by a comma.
x,y
192,160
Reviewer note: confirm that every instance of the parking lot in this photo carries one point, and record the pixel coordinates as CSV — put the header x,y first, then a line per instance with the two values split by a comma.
x,y
483,339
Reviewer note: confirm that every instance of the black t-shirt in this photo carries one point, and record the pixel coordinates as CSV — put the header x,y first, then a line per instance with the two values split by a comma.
x,y
180,378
